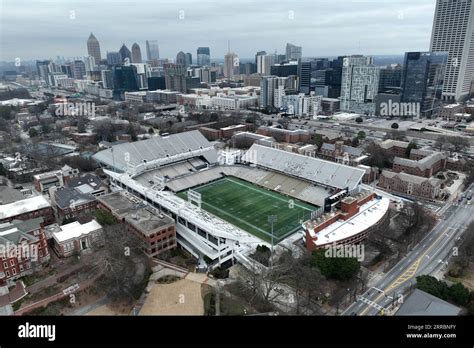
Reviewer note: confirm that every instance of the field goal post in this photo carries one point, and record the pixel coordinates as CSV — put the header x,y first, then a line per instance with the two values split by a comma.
x,y
194,197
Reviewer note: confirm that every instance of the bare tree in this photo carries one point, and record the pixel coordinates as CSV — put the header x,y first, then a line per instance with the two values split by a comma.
x,y
119,257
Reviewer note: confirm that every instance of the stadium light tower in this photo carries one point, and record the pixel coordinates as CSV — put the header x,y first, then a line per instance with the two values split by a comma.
x,y
272,219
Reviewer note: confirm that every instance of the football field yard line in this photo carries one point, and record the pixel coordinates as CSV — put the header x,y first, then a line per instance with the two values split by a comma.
x,y
237,218
246,205
262,191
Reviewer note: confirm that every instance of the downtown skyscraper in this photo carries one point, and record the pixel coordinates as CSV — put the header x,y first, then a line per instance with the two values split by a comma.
x,y
293,52
453,32
359,85
422,80
93,48
204,56
152,49
136,53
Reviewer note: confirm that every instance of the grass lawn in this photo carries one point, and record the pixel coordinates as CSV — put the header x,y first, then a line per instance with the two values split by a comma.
x,y
248,206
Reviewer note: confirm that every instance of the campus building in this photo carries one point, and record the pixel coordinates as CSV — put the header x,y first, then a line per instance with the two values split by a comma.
x,y
75,238
156,230
412,185
23,247
421,163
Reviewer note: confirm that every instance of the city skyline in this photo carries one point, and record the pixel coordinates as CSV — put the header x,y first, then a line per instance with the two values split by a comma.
x,y
185,25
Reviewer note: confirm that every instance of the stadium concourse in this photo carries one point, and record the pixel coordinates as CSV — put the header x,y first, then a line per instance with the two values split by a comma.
x,y
223,209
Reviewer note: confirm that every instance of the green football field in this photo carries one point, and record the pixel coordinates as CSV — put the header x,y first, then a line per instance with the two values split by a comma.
x,y
248,206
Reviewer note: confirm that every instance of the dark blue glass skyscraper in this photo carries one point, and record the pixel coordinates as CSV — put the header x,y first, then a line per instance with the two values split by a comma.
x,y
422,80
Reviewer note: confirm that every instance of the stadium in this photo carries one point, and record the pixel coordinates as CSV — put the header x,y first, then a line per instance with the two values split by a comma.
x,y
227,202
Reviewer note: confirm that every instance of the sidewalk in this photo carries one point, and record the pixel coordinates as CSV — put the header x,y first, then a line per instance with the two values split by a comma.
x,y
60,295
51,280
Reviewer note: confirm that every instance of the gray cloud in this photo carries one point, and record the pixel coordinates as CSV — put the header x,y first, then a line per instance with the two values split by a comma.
x,y
44,28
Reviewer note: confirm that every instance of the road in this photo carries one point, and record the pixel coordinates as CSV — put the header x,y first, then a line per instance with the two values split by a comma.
x,y
428,257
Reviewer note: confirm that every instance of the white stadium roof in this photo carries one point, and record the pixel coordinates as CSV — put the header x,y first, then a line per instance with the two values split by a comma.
x,y
162,149
313,169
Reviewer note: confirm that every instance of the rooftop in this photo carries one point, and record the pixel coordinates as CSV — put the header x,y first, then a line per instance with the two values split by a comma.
x,y
75,230
424,163
9,195
68,198
157,149
369,214
15,231
22,207
422,303
147,221
389,143
414,179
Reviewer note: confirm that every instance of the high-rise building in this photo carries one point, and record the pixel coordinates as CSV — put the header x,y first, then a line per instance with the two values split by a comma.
x,y
78,69
390,77
264,63
152,50
93,48
67,69
189,59
203,56
231,65
270,87
42,68
293,52
136,54
259,53
247,68
453,32
422,80
284,69
320,75
124,79
107,78
125,54
181,58
360,84
142,75
175,77
90,64
114,58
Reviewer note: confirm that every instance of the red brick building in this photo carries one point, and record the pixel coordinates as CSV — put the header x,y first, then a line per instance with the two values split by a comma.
x,y
26,209
285,135
397,148
158,231
412,185
350,224
23,247
421,163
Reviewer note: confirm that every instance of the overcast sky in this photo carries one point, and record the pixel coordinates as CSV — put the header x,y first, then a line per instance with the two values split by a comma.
x,y
33,29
